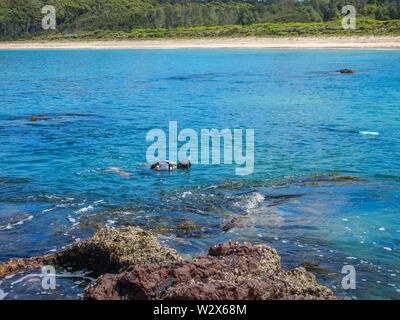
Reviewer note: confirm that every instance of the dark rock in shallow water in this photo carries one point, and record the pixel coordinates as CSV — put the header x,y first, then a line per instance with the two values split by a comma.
x,y
109,250
231,270
346,71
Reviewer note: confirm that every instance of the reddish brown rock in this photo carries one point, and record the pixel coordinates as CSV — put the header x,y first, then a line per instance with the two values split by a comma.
x,y
230,271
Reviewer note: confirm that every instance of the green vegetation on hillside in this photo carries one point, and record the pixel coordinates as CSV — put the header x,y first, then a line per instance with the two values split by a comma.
x,y
21,19
364,27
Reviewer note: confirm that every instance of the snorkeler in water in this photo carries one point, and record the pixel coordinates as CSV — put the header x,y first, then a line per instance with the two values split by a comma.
x,y
165,165
168,165
118,170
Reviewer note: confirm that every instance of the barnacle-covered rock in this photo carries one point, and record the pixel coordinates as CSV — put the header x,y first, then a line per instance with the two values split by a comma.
x,y
231,271
109,250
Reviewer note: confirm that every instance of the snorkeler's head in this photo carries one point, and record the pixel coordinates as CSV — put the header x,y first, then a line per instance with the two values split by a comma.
x,y
184,164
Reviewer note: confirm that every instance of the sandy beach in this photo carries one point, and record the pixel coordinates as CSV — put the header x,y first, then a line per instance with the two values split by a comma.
x,y
359,42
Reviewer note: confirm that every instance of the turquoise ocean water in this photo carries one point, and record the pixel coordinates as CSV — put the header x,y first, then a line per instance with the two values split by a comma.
x,y
66,116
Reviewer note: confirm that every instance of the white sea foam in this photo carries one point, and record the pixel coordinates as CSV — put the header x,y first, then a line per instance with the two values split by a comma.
x,y
65,274
2,294
249,201
373,133
84,209
72,220
51,209
10,226
186,193
110,223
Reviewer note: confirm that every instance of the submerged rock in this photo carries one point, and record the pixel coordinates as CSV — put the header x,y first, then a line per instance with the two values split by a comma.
x,y
52,117
347,178
231,270
38,118
109,250
346,71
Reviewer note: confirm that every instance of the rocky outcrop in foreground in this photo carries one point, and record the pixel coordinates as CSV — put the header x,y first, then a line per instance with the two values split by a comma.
x,y
133,265
231,271
109,250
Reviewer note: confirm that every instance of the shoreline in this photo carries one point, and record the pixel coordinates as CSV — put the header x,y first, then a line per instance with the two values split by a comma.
x,y
318,42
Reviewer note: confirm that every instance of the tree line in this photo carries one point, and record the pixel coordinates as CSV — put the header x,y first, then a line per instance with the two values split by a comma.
x,y
21,19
